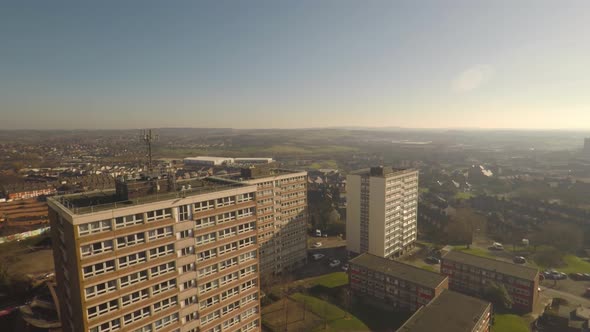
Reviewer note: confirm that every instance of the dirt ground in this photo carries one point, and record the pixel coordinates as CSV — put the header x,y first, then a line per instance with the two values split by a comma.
x,y
25,258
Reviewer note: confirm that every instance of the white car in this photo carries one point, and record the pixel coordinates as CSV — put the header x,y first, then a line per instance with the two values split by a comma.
x,y
317,257
334,263
498,246
317,245
345,267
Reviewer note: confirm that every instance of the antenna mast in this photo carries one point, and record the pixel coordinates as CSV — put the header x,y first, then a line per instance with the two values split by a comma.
x,y
148,137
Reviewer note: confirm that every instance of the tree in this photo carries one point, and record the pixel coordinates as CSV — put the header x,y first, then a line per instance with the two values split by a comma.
x,y
498,296
565,237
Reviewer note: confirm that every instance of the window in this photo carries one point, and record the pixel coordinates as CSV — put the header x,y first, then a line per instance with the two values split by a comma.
x,y
249,298
229,293
205,222
247,271
245,213
207,254
165,304
228,248
207,238
159,214
136,315
210,317
113,325
161,323
94,227
99,289
161,251
209,302
127,221
225,201
206,287
133,278
186,233
184,212
228,263
102,309
245,227
98,269
96,248
164,286
225,233
248,284
203,206
244,197
188,267
187,251
250,312
190,300
130,240
147,328
226,217
246,242
228,278
162,269
207,270
159,233
132,259
247,256
231,322
230,307
134,297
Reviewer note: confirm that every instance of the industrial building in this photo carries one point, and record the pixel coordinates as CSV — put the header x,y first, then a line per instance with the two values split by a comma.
x,y
208,161
382,211
472,275
152,257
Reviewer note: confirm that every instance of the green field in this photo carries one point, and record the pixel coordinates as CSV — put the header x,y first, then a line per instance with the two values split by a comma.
x,y
509,323
335,319
463,195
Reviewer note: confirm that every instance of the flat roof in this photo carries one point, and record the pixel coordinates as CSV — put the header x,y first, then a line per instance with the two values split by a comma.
x,y
448,312
388,171
208,158
399,270
95,201
490,264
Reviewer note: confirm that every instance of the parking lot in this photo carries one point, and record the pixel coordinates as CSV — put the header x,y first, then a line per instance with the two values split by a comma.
x,y
319,267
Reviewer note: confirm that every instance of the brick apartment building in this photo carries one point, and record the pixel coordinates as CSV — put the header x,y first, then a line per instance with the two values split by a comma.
x,y
151,257
393,285
470,274
451,312
282,216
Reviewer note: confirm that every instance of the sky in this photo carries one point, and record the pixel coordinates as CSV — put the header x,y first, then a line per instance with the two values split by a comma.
x,y
294,64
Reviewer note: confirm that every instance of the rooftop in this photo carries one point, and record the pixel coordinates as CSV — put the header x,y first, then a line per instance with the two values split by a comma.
x,y
490,264
90,202
383,171
448,312
399,270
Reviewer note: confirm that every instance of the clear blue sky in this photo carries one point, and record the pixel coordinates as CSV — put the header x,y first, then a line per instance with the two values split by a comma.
x,y
279,64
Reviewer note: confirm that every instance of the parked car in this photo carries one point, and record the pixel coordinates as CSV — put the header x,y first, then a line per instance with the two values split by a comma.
x,y
554,275
577,276
519,260
334,263
345,267
432,260
317,257
497,246
317,245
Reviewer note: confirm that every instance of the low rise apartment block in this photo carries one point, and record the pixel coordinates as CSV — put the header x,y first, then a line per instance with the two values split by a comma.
x,y
471,275
451,312
393,285
151,257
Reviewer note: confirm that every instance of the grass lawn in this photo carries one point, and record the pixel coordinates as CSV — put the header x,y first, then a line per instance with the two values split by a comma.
x,y
463,195
509,323
473,251
336,318
575,264
331,280
427,268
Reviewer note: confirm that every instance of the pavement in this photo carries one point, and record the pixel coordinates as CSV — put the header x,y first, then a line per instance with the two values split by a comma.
x,y
571,298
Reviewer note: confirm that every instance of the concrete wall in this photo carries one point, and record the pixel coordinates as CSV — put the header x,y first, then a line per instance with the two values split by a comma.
x,y
353,213
377,216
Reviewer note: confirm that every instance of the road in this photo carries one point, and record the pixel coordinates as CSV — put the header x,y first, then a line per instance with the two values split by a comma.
x,y
572,299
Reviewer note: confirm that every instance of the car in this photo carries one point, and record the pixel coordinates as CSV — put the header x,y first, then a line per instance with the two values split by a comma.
x,y
345,267
317,257
317,245
497,246
334,263
432,260
519,260
577,276
586,276
554,275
